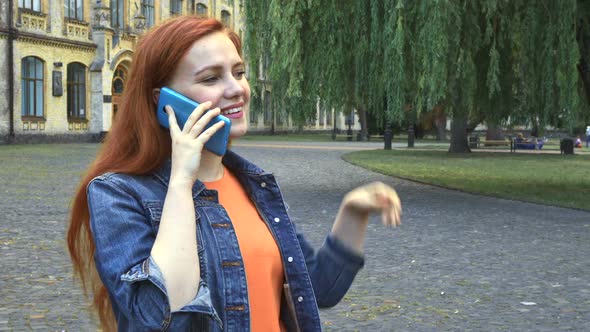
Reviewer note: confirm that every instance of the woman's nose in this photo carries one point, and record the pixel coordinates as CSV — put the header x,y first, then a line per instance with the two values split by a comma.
x,y
233,88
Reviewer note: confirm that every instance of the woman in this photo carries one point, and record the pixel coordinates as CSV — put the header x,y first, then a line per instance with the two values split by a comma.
x,y
167,235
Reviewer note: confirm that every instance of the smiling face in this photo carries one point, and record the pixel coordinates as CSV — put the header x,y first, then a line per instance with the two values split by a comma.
x,y
212,70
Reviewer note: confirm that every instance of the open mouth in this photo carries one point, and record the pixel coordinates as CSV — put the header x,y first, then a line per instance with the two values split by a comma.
x,y
233,113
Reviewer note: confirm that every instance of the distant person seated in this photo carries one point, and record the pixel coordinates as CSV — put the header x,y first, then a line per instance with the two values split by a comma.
x,y
578,143
524,143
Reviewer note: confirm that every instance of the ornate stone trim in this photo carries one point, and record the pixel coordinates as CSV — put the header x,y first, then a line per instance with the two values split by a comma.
x,y
78,125
33,124
32,21
119,56
77,30
55,42
128,37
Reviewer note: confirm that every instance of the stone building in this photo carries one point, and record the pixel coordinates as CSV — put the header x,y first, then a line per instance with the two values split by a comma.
x,y
65,63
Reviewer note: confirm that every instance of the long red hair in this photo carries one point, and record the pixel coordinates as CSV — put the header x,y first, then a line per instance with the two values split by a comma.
x,y
136,144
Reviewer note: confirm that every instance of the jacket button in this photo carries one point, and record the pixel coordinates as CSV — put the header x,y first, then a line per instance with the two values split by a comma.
x,y
277,219
263,184
300,299
290,259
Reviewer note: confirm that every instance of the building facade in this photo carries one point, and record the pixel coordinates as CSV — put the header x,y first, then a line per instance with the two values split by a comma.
x,y
65,63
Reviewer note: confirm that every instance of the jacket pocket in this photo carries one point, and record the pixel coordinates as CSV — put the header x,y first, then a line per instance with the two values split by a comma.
x,y
154,210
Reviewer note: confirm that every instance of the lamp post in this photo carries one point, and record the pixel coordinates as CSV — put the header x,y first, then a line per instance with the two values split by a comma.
x,y
387,135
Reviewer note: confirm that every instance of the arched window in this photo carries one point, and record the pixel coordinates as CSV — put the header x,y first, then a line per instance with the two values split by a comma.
x,y
118,85
32,86
226,18
119,81
76,91
202,10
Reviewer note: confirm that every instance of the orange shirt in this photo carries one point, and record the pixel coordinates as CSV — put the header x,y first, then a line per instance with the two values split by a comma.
x,y
261,255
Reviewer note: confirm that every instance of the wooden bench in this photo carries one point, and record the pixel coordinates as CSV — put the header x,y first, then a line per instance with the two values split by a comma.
x,y
476,143
513,144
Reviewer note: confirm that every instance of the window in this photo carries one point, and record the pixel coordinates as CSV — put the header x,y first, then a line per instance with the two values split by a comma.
x,y
202,10
32,86
74,9
175,7
267,108
226,18
147,9
76,91
119,81
117,12
34,5
118,85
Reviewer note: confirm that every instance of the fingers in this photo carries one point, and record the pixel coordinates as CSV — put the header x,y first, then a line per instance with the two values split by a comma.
x,y
196,116
387,201
199,126
195,123
207,134
173,124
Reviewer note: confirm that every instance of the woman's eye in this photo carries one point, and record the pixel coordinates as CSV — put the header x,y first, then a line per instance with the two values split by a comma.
x,y
209,79
240,74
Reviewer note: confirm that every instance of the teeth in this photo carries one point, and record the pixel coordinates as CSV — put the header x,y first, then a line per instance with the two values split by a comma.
x,y
233,110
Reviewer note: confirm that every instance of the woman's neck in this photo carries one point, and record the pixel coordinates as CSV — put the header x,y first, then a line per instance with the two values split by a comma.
x,y
211,168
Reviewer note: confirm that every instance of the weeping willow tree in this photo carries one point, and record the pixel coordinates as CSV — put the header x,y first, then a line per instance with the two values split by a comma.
x,y
498,61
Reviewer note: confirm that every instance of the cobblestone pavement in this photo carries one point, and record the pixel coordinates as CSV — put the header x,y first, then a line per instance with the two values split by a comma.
x,y
459,262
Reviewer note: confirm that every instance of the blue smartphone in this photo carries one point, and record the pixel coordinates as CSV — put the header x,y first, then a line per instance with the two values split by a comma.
x,y
183,107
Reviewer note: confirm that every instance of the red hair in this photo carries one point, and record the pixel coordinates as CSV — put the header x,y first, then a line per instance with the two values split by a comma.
x,y
136,144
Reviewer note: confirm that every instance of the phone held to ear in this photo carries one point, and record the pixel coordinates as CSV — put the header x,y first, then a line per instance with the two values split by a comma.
x,y
183,107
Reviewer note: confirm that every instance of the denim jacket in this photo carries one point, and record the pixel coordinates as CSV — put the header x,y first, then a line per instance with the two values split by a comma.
x,y
125,212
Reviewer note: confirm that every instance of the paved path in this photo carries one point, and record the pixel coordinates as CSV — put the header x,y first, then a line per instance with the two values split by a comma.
x,y
459,262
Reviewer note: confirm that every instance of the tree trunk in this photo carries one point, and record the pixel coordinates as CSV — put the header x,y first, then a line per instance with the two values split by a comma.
x,y
459,142
440,122
584,65
535,128
411,113
364,133
494,132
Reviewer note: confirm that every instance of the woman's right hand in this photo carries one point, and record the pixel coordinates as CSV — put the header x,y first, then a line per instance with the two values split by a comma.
x,y
188,142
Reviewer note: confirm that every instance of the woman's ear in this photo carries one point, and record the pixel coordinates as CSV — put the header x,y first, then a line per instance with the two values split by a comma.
x,y
156,95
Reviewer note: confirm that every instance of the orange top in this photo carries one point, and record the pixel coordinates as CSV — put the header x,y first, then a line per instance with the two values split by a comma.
x,y
261,255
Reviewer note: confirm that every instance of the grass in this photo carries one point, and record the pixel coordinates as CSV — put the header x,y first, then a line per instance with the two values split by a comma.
x,y
540,178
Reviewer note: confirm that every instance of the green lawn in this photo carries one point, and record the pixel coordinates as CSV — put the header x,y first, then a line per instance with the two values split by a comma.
x,y
541,178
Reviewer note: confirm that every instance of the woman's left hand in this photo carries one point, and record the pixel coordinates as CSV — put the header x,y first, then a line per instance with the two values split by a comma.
x,y
375,197
351,222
